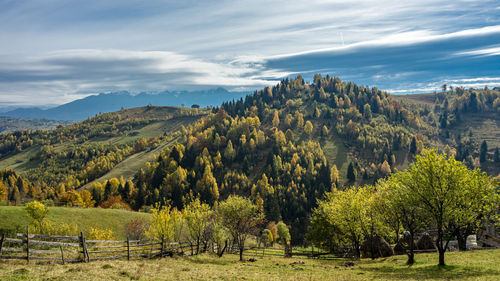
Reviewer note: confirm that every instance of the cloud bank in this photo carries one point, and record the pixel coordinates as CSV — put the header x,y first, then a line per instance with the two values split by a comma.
x,y
54,52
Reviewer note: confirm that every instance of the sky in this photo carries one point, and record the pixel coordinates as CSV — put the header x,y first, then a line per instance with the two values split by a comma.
x,y
52,51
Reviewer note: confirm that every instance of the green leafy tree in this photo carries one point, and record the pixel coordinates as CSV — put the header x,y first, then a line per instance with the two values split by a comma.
x,y
452,197
400,204
198,218
367,111
166,224
37,212
350,215
283,233
240,216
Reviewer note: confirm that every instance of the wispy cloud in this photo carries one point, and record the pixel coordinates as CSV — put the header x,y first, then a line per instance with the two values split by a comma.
x,y
494,51
55,51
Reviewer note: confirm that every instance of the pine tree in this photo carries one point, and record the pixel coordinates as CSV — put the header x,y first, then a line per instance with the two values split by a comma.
x,y
413,145
483,153
496,156
351,173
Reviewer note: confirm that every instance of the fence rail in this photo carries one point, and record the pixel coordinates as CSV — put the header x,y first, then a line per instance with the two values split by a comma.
x,y
69,249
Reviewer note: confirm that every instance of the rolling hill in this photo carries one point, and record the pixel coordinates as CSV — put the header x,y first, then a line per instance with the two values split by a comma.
x,y
284,147
95,146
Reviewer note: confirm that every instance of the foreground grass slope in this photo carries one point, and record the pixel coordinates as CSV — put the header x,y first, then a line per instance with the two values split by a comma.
x,y
14,218
474,265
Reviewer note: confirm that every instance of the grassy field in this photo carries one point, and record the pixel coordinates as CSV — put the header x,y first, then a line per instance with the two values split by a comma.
x,y
473,265
13,217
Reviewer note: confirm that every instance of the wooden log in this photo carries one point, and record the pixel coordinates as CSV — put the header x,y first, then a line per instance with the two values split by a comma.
x,y
53,237
111,251
7,257
106,242
27,244
32,251
44,243
62,254
122,246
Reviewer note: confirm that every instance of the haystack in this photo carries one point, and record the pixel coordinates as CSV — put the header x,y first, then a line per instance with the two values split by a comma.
x,y
375,248
425,242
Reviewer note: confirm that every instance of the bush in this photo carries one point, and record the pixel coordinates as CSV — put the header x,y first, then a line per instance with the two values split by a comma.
x,y
95,233
50,228
115,202
135,229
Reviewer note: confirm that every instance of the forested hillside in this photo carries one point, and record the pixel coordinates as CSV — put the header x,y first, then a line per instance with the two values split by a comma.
x,y
53,164
284,147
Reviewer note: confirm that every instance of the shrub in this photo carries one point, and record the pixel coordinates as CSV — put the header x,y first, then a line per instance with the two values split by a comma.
x,y
95,233
115,202
135,229
50,228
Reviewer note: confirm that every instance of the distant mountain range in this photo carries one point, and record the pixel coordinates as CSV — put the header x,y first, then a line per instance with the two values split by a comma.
x,y
90,106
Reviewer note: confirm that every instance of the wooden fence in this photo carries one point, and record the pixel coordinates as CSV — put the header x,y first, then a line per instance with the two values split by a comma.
x,y
261,251
70,249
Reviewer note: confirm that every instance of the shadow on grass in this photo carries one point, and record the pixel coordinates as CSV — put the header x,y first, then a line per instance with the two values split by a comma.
x,y
208,260
449,272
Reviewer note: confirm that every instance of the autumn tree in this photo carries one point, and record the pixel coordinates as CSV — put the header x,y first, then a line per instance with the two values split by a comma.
x,y
308,128
86,199
240,216
37,212
3,191
276,119
198,217
166,224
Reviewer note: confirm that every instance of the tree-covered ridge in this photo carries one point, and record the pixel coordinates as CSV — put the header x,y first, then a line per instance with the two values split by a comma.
x,y
224,155
465,122
71,156
374,126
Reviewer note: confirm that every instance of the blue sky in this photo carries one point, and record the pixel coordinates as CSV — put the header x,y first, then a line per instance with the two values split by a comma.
x,y
52,52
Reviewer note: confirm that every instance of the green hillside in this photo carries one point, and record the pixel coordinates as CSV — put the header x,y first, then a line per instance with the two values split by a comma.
x,y
284,147
15,219
95,146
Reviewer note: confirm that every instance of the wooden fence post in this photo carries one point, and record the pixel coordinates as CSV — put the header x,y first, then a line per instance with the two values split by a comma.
x,y
27,243
162,245
1,243
62,254
86,257
128,248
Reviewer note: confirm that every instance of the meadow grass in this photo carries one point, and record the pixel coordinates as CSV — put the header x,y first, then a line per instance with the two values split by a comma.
x,y
15,218
472,265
